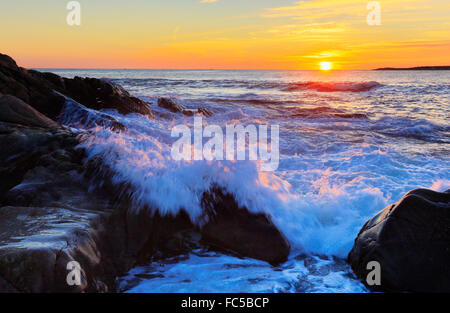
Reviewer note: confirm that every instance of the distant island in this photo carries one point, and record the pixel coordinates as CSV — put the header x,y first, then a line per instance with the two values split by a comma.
x,y
419,68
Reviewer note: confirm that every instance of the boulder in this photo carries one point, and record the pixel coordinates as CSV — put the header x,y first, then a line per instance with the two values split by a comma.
x,y
231,227
14,110
411,241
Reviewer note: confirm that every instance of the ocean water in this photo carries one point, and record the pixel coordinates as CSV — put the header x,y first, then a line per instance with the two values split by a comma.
x,y
351,142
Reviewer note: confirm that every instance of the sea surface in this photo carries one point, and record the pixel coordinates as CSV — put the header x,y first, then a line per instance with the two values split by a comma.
x,y
351,142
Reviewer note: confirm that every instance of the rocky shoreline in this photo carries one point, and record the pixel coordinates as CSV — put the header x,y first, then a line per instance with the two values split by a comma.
x,y
50,213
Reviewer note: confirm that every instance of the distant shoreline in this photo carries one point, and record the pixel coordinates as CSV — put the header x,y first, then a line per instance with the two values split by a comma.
x,y
418,68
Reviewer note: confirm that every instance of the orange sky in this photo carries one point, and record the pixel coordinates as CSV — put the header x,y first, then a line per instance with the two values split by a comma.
x,y
226,34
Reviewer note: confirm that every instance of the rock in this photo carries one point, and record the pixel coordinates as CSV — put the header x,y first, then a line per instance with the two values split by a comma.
x,y
37,89
83,117
176,107
411,241
171,105
53,211
188,112
14,110
47,214
7,62
37,243
234,228
205,112
101,94
50,214
25,148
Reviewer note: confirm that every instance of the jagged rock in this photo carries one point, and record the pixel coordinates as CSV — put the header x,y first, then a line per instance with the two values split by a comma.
x,y
411,241
37,89
33,90
235,228
101,94
14,110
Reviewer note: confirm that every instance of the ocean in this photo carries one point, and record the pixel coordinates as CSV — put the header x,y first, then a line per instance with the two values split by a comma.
x,y
351,143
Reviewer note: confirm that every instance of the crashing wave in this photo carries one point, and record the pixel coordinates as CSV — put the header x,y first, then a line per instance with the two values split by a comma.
x,y
333,86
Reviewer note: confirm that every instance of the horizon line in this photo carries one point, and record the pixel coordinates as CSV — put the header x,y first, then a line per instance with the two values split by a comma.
x,y
186,69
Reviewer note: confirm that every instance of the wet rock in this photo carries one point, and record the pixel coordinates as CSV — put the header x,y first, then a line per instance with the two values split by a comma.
x,y
32,242
205,112
37,89
14,110
176,107
47,213
188,112
171,105
235,228
53,212
411,241
25,149
82,117
101,94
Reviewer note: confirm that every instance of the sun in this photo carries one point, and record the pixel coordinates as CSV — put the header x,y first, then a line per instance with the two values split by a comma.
x,y
326,66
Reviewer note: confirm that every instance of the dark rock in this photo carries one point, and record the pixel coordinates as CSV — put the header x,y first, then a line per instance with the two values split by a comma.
x,y
235,228
21,148
171,105
7,62
37,89
188,112
47,214
176,107
14,110
101,94
205,112
33,242
411,241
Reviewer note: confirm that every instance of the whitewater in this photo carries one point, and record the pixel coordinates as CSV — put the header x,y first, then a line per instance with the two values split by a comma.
x,y
351,142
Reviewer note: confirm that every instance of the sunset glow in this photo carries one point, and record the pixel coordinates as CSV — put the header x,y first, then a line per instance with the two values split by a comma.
x,y
325,66
227,34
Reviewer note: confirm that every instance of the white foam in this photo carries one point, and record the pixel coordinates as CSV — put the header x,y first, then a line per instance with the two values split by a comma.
x,y
319,204
212,272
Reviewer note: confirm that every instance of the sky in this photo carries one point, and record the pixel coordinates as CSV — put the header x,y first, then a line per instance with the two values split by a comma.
x,y
225,34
